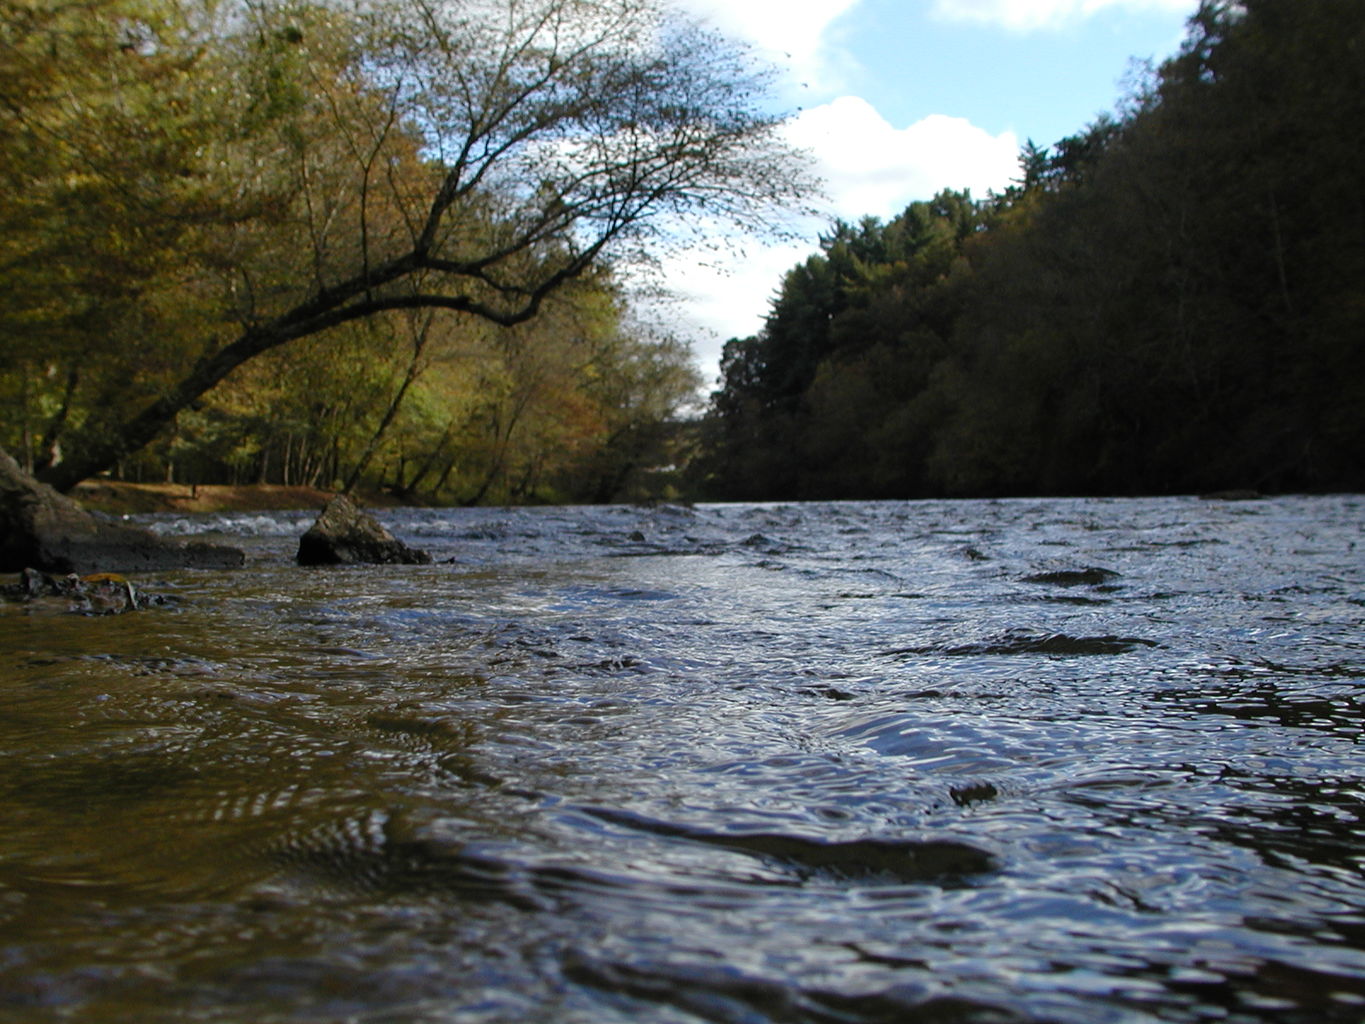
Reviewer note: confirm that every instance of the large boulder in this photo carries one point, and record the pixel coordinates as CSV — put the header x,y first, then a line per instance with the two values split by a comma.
x,y
346,535
42,529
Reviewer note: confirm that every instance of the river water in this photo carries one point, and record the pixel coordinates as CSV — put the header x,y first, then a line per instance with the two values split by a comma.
x,y
999,761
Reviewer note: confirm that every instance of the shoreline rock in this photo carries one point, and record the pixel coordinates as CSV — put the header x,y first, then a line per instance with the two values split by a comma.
x,y
345,535
42,529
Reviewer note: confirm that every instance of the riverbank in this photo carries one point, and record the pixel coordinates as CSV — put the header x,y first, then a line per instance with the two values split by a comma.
x,y
116,497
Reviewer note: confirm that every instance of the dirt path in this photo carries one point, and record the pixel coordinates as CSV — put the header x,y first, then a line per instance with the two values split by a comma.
x,y
120,498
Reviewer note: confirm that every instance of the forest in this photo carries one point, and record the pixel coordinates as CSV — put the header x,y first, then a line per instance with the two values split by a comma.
x,y
1170,301
373,245
381,246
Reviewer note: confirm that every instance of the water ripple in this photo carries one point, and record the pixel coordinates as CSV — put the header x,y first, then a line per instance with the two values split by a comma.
x,y
1028,760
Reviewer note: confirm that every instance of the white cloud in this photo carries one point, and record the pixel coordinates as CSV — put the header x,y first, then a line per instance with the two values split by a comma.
x,y
794,35
870,168
1026,15
873,168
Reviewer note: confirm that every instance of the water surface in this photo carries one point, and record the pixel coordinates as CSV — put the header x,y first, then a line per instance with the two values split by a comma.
x,y
1015,761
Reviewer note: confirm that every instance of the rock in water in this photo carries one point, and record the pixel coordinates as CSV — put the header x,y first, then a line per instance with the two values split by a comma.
x,y
104,593
44,529
345,535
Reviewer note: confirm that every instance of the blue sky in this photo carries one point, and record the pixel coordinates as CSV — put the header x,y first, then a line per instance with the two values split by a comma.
x,y
897,99
1045,82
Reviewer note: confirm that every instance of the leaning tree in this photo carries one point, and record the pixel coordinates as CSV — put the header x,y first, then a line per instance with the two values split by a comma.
x,y
468,155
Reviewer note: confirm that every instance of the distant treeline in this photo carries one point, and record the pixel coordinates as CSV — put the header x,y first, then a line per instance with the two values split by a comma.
x,y
1172,300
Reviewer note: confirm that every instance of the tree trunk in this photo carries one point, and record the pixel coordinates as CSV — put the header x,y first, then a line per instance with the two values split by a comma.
x,y
51,445
390,414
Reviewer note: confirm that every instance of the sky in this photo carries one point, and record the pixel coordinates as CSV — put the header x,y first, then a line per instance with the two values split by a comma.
x,y
898,99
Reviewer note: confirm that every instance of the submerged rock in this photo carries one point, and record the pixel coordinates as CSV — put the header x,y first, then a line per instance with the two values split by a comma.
x,y
904,860
346,535
44,529
1010,643
1089,577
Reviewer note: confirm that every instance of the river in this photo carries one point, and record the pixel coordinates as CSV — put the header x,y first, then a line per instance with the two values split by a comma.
x,y
981,761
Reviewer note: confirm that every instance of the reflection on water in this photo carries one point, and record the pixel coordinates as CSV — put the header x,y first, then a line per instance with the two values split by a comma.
x,y
1068,761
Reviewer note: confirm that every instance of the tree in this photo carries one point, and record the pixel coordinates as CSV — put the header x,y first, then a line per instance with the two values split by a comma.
x,y
90,114
641,381
579,403
484,153
1170,300
818,405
